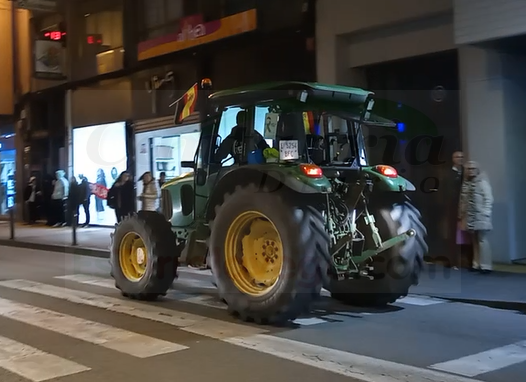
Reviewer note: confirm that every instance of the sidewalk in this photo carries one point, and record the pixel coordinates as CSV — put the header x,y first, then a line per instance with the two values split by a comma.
x,y
93,241
505,288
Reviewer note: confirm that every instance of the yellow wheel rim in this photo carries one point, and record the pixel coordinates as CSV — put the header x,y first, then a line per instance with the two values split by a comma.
x,y
253,253
133,256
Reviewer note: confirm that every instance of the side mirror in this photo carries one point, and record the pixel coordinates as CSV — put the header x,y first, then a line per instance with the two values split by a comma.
x,y
187,164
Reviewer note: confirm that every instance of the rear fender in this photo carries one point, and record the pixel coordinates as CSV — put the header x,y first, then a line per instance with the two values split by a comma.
x,y
388,184
268,178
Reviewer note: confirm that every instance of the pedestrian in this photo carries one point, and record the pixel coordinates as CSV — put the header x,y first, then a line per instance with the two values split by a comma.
x,y
31,197
99,206
59,198
162,179
85,197
149,193
475,214
452,187
74,202
121,196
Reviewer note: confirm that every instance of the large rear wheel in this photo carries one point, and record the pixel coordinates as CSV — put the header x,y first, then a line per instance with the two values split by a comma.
x,y
396,269
266,255
144,256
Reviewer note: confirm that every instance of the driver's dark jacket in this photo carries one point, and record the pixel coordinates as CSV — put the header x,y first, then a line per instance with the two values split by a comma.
x,y
233,145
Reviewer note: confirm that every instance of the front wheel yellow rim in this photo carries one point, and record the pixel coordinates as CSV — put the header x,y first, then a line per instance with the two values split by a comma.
x,y
133,257
253,253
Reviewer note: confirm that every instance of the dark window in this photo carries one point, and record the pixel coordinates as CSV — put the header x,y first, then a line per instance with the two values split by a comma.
x,y
160,17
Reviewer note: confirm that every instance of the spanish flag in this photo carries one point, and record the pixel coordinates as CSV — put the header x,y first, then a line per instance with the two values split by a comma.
x,y
308,122
189,101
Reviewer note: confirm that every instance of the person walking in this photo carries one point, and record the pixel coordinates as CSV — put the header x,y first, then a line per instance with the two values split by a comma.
x,y
85,197
73,203
475,215
31,195
149,193
121,196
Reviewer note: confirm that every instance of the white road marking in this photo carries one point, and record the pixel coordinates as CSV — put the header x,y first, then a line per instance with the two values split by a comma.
x,y
204,326
309,321
420,301
89,280
34,364
356,366
485,362
120,340
204,300
362,368
204,272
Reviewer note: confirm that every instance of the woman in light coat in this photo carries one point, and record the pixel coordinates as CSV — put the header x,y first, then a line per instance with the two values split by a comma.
x,y
149,193
475,214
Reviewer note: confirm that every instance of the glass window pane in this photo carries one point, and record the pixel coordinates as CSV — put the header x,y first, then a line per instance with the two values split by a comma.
x,y
174,10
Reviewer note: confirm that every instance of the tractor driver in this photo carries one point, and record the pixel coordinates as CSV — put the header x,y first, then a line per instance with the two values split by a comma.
x,y
233,144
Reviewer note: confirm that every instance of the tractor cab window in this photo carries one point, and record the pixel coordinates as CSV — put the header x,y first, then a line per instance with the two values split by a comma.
x,y
282,131
229,136
237,138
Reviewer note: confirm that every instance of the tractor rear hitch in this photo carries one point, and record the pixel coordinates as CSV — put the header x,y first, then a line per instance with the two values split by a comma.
x,y
385,245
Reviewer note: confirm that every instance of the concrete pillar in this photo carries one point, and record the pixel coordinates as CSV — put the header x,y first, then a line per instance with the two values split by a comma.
x,y
493,118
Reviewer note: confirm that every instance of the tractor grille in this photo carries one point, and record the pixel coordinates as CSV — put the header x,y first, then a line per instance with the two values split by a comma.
x,y
166,204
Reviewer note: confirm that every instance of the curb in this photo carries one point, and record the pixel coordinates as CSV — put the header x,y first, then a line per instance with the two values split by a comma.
x,y
519,306
80,251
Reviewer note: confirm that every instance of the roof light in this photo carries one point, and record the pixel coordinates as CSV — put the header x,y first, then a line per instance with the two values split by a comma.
x,y
387,171
311,170
206,82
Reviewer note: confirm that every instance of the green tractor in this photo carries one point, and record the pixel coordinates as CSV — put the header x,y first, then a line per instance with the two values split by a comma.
x,y
281,203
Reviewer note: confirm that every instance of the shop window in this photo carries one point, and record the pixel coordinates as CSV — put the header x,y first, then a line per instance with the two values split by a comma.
x,y
7,180
104,29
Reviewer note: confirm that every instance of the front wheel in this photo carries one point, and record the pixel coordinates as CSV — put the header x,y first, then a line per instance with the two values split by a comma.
x,y
266,255
396,269
144,256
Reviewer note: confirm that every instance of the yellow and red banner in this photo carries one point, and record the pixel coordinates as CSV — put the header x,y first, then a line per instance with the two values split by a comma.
x,y
189,100
308,122
194,31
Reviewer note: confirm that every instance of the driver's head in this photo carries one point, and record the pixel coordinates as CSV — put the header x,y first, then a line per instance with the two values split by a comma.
x,y
242,119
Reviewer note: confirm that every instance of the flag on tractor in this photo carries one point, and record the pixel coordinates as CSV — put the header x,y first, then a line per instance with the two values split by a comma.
x,y
308,122
186,104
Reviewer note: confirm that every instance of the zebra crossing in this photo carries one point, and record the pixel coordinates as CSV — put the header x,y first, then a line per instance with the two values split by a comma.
x,y
210,299
92,292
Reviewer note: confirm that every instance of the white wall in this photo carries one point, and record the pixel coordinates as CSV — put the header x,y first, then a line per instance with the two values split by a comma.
x,y
338,18
493,115
481,20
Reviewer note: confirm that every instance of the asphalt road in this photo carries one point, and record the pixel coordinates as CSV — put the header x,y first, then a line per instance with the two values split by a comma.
x,y
62,320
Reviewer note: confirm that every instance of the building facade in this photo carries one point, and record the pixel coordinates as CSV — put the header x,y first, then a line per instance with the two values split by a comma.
x,y
453,69
105,73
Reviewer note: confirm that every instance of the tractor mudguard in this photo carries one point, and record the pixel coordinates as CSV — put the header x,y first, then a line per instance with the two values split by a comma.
x,y
386,183
270,176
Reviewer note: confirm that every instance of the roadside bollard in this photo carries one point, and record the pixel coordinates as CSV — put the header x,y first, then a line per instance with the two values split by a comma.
x,y
12,223
74,226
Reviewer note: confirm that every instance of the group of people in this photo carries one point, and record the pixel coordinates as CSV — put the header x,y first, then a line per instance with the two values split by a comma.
x,y
470,209
59,199
63,198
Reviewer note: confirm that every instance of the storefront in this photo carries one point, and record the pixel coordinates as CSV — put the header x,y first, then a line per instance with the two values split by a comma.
x,y
7,172
100,154
160,146
102,142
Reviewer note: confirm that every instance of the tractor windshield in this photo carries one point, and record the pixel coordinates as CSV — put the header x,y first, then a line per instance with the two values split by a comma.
x,y
262,134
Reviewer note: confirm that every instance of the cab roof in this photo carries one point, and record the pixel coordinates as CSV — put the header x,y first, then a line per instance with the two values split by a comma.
x,y
340,93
